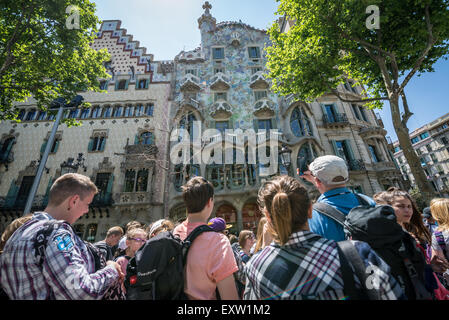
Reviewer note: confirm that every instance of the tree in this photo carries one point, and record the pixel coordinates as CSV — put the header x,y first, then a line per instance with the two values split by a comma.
x,y
334,40
45,52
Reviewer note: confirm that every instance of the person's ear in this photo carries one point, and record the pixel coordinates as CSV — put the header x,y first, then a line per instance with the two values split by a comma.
x,y
72,201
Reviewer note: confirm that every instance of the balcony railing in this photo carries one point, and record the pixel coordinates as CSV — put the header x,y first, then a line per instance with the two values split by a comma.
x,y
356,165
220,81
258,80
337,118
102,200
190,82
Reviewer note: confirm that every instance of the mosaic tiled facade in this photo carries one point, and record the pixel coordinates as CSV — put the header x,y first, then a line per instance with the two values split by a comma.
x,y
222,84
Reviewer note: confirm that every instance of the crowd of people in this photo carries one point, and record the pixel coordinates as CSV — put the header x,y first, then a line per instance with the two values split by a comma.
x,y
298,252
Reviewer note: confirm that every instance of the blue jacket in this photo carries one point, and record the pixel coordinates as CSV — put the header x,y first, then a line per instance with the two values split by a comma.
x,y
340,198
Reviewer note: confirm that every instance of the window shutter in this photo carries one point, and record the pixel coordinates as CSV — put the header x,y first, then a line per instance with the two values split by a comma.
x,y
334,145
212,124
103,143
146,83
126,84
56,146
255,124
273,123
348,146
110,183
12,194
91,143
43,146
136,139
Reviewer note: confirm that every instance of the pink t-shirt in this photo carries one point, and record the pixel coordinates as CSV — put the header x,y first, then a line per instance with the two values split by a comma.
x,y
210,260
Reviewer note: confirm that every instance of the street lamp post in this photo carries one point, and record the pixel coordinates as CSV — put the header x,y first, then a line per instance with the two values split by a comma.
x,y
61,102
286,157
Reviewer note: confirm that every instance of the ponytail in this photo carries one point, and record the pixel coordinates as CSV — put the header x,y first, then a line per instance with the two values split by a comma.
x,y
281,216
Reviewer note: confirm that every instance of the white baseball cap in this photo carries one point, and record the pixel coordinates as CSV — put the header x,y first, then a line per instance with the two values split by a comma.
x,y
331,170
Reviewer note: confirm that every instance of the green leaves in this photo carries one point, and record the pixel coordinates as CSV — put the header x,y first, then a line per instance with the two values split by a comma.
x,y
330,41
41,58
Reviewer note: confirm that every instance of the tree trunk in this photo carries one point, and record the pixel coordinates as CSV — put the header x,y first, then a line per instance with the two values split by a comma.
x,y
409,152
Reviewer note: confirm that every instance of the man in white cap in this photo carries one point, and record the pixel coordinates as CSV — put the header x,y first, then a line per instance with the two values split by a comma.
x,y
329,174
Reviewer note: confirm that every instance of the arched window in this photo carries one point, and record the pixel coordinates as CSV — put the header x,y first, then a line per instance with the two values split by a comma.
x,y
30,115
118,111
307,153
142,180
6,149
130,176
300,123
91,232
186,123
147,138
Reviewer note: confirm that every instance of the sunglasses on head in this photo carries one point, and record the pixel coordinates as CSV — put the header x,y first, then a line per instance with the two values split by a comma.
x,y
138,239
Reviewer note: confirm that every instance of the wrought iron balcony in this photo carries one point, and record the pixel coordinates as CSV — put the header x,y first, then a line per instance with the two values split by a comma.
x,y
335,119
356,165
141,149
102,200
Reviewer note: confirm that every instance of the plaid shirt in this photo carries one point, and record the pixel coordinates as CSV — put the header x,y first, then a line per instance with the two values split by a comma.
x,y
68,271
308,267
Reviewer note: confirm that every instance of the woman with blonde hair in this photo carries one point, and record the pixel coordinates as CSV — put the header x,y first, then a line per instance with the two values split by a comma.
x,y
299,264
263,236
440,238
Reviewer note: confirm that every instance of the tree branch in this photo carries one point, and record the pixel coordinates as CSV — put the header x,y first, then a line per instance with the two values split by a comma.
x,y
407,113
430,42
335,92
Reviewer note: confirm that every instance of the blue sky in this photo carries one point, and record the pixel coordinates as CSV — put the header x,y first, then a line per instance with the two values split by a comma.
x,y
166,27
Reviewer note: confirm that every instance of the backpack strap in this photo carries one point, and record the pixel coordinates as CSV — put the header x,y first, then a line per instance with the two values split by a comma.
x,y
350,253
349,288
330,212
41,239
420,290
191,237
363,199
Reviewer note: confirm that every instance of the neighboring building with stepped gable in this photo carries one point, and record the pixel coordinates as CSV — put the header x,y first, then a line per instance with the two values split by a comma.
x,y
223,84
123,141
431,144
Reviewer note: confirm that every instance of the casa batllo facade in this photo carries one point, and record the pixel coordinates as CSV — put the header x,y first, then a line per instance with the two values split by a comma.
x,y
223,85
122,140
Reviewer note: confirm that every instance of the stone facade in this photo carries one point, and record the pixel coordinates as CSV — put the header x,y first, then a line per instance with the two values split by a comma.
x,y
123,140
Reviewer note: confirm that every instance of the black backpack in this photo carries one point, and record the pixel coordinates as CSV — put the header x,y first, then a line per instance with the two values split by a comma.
x,y
377,226
156,272
115,292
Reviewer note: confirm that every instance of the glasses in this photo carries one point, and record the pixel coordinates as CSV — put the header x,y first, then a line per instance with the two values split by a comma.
x,y
138,239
